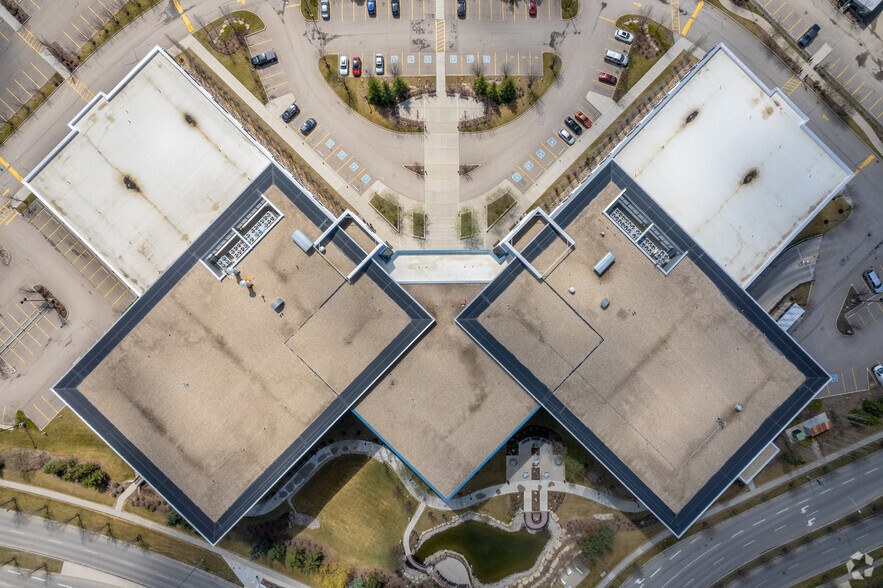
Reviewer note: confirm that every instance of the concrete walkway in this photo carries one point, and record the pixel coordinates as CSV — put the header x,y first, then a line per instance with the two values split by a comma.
x,y
465,267
739,499
790,269
122,498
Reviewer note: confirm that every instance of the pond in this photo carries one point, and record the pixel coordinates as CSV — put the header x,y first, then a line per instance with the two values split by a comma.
x,y
493,553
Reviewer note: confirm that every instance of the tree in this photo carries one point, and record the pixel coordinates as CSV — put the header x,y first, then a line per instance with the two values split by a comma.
x,y
493,94
97,478
595,546
400,88
295,558
388,95
333,576
358,582
507,91
374,93
276,553
792,458
58,467
574,468
479,86
374,580
259,548
873,407
173,519
606,535
313,561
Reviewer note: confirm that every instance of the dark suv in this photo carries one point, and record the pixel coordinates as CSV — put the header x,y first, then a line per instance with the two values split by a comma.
x,y
264,59
308,126
573,126
461,8
809,36
394,6
290,112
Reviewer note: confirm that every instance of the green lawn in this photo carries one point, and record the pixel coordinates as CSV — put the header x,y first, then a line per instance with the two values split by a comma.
x,y
310,9
834,213
388,209
491,473
51,482
638,65
26,561
361,517
239,63
68,435
498,207
569,9
418,223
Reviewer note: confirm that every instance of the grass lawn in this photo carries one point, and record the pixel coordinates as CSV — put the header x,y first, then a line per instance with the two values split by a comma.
x,y
638,65
833,213
68,435
624,543
418,223
21,208
497,507
352,91
119,530
121,18
34,102
388,209
468,225
491,473
498,207
310,9
239,64
509,112
51,482
569,9
360,514
27,561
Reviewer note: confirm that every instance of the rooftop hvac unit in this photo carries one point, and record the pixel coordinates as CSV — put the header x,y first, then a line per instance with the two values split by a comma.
x,y
605,263
302,240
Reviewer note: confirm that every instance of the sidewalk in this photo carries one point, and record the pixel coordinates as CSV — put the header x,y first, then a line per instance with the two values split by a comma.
x,y
739,499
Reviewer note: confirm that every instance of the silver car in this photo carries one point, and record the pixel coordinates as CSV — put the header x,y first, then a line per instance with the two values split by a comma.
x,y
378,64
624,36
878,374
344,68
325,9
568,138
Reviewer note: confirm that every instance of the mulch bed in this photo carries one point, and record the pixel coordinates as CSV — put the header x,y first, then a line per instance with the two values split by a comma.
x,y
17,11
51,300
853,300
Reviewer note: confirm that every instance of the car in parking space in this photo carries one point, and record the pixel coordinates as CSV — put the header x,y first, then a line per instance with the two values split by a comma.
x,y
616,58
344,65
809,36
372,7
264,59
325,9
582,118
606,78
357,66
623,36
878,374
873,281
394,6
378,64
571,124
290,112
461,8
568,138
532,8
308,126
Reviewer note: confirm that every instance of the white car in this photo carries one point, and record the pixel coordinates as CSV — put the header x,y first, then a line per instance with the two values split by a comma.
x,y
624,36
568,138
378,64
344,65
325,9
878,374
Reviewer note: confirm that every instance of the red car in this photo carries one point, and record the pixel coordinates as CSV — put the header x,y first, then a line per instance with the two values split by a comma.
x,y
583,119
357,66
532,8
606,78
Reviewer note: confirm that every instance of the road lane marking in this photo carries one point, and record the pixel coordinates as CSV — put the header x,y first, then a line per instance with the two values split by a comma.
x,y
780,528
828,550
758,522
783,510
675,555
823,491
847,481
805,500
718,561
737,534
183,16
747,544
659,568
871,471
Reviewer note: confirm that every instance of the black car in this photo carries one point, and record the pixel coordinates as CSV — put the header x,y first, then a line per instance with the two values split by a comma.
x,y
461,8
573,126
394,6
264,59
809,36
290,112
308,126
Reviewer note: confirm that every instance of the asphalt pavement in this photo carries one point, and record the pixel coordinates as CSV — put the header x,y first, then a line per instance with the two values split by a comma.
x,y
99,552
704,558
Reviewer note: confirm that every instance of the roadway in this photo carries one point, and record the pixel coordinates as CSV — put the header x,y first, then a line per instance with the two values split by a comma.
x,y
68,543
707,556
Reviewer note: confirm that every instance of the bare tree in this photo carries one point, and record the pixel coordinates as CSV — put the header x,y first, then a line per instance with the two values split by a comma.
x,y
477,68
506,69
395,69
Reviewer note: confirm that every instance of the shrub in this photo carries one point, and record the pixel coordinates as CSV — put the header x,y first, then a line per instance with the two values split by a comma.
x,y
862,417
493,93
400,88
276,553
295,558
479,86
873,407
96,478
174,519
374,580
259,548
58,467
507,91
816,405
792,458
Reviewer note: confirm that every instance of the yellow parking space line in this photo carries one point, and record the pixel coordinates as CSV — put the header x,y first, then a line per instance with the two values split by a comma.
x,y
41,412
25,90
858,88
524,174
112,289
47,402
118,298
260,43
14,96
786,18
841,72
35,218
865,163
866,97
344,164
102,281
45,318
15,340
79,256
607,19
20,358
82,34
795,24
333,151
106,8
37,5
24,314
62,240
835,63
4,36
550,150
322,140
98,16
30,78
77,45
69,249
277,85
36,324
94,30
870,312
780,8
96,271
860,318
536,161
356,176
53,232
183,16
875,103
7,106
846,83
271,75
46,223
4,414
854,381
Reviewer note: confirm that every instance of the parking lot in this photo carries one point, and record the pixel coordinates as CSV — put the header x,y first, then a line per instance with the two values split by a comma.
x,y
22,71
336,156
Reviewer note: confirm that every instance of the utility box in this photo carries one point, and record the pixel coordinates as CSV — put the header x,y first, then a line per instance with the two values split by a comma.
x,y
605,263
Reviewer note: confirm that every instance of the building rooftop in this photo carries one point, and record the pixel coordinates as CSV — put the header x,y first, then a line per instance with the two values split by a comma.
x,y
742,199
212,395
146,168
446,406
643,383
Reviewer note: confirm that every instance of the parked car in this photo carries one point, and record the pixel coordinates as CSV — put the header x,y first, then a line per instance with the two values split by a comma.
x,y
873,281
378,64
290,112
344,67
878,374
461,8
582,118
357,66
568,138
394,6
616,58
624,36
606,78
372,7
264,59
571,124
325,9
308,126
532,8
809,36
